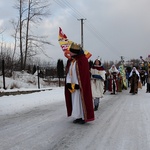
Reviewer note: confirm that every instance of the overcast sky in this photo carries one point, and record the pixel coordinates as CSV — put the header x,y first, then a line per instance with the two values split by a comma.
x,y
113,28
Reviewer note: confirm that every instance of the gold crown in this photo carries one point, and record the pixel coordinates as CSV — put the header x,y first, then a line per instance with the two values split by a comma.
x,y
75,46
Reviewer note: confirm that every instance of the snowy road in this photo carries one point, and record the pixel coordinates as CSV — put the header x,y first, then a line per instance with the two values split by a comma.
x,y
122,123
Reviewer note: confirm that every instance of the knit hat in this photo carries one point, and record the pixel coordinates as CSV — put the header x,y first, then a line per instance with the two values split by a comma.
x,y
75,48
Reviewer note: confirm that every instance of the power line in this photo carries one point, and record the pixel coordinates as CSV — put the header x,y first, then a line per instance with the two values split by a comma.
x,y
77,14
63,4
100,37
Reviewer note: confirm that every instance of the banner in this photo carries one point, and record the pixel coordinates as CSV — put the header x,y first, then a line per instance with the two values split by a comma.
x,y
65,44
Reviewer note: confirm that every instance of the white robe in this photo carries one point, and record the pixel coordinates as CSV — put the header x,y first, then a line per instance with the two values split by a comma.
x,y
97,84
77,110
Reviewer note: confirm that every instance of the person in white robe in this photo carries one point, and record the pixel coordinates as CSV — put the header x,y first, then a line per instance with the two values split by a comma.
x,y
97,82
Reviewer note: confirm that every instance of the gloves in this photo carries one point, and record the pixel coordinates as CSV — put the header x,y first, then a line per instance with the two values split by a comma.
x,y
72,87
69,85
77,86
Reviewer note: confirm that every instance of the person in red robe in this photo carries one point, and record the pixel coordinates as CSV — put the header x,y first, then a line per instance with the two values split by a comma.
x,y
78,95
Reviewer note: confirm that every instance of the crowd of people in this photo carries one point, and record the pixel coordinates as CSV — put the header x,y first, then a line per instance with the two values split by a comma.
x,y
85,85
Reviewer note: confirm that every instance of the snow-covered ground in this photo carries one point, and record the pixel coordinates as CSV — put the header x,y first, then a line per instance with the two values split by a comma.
x,y
24,102
22,81
38,121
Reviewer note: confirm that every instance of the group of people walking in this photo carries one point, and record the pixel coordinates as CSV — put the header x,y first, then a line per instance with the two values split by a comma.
x,y
85,86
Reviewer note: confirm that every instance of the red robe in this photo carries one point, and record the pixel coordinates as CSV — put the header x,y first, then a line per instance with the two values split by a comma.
x,y
83,75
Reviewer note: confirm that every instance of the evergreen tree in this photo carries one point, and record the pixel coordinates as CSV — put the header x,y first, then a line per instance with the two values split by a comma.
x,y
60,69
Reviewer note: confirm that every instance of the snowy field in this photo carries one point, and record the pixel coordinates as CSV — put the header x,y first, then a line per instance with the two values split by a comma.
x,y
14,104
22,81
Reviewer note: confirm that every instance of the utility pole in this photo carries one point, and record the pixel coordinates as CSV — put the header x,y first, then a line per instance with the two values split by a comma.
x,y
38,74
81,31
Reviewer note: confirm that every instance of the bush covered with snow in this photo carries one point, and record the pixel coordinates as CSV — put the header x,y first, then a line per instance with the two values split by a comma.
x,y
23,79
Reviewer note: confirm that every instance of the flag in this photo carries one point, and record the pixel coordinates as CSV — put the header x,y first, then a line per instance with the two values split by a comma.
x,y
65,44
87,54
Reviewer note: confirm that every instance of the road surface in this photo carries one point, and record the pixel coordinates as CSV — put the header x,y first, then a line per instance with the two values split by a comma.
x,y
121,123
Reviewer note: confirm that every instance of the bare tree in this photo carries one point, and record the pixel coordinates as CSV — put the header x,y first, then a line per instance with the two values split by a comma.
x,y
31,12
15,27
1,31
21,25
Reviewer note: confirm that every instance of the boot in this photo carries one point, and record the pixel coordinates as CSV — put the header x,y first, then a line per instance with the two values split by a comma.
x,y
96,104
96,108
